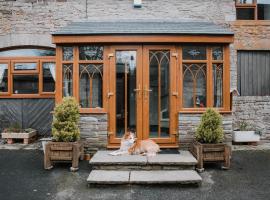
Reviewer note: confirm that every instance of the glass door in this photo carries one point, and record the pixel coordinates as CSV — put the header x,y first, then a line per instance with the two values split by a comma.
x,y
160,95
125,105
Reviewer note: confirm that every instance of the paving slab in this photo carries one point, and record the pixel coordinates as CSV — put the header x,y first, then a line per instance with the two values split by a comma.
x,y
104,158
184,158
165,177
108,177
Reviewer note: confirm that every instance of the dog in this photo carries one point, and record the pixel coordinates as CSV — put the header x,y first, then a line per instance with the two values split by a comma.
x,y
144,147
127,141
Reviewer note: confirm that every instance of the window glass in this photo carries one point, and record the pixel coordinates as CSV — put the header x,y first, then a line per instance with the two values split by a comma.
x,y
48,72
27,52
25,66
194,52
91,52
217,53
67,53
218,84
194,85
67,80
245,13
91,85
244,1
25,84
264,11
4,77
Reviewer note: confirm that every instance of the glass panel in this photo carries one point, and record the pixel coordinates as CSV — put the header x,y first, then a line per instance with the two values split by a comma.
x,y
91,53
159,103
67,53
244,1
245,13
48,77
218,84
27,52
194,53
194,85
264,11
25,84
217,53
25,66
67,80
125,94
3,77
91,85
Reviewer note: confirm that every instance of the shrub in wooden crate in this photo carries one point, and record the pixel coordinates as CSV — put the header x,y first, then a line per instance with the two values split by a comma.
x,y
208,146
65,146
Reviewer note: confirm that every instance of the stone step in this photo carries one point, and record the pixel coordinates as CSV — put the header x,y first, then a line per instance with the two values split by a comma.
x,y
114,177
103,161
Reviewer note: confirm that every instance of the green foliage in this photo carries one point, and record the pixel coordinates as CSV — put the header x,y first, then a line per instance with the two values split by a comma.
x,y
14,128
65,121
243,126
210,129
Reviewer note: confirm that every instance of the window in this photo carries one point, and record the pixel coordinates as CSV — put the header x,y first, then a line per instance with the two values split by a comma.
x,y
32,72
253,73
25,84
82,75
3,77
199,72
253,9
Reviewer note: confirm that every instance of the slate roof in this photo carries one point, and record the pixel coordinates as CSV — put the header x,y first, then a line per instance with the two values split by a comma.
x,y
142,28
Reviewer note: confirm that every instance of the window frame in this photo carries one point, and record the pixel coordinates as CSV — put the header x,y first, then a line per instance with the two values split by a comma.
x,y
253,5
209,80
39,60
76,75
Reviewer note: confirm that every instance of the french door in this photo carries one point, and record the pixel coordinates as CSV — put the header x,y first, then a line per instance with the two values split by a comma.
x,y
142,93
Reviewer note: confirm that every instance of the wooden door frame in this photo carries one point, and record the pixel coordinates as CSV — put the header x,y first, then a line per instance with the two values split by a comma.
x,y
112,140
171,142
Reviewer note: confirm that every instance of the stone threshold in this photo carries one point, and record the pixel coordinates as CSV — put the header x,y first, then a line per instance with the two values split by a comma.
x,y
114,177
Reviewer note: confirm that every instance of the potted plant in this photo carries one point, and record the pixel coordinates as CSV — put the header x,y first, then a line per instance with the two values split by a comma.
x,y
65,131
208,146
16,132
245,133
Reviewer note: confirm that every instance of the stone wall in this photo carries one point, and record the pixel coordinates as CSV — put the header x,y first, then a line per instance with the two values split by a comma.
x,y
189,122
255,111
94,131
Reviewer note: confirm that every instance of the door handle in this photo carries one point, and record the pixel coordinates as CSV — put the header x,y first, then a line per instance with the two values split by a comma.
x,y
175,94
109,94
146,92
137,89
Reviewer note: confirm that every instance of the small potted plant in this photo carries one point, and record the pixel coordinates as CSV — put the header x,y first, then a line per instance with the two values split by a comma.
x,y
208,146
65,131
15,132
245,133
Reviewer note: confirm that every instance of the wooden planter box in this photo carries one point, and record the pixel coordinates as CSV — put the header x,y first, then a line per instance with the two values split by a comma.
x,y
63,152
27,137
211,153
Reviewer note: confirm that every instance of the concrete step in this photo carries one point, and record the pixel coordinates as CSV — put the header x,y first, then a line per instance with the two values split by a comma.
x,y
114,177
103,161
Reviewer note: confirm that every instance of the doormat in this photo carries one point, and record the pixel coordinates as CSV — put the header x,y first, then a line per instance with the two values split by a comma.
x,y
169,151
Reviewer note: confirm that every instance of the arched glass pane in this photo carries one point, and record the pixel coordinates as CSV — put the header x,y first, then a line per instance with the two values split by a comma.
x,y
201,88
194,85
91,85
188,86
67,80
218,84
27,52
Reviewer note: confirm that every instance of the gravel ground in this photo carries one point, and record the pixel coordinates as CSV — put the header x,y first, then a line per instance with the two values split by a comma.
x,y
22,177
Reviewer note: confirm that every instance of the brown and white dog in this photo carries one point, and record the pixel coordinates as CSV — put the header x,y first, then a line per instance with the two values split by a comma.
x,y
144,147
127,141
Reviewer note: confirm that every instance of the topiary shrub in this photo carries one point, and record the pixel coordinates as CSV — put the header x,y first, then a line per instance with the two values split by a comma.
x,y
65,121
210,129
